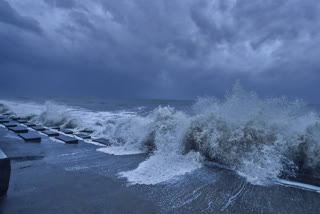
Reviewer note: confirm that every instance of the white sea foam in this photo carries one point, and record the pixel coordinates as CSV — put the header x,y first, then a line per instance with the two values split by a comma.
x,y
298,185
120,150
160,168
23,109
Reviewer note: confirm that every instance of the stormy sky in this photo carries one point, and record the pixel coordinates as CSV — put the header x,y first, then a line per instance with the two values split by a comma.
x,y
176,49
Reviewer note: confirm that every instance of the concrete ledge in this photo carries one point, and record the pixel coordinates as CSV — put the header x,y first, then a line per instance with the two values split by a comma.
x,y
18,129
50,133
83,136
30,137
38,128
5,171
67,139
66,131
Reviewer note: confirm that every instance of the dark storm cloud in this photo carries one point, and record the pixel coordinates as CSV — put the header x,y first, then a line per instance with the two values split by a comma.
x,y
159,49
9,16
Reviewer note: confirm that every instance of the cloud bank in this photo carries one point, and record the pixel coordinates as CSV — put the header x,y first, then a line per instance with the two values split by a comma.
x,y
159,49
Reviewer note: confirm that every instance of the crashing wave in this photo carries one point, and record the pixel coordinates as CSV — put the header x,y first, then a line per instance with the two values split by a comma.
x,y
260,138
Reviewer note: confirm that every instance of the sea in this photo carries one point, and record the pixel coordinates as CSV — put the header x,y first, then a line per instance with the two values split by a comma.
x,y
262,139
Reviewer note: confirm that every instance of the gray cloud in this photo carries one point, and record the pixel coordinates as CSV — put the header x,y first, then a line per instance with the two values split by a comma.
x,y
162,49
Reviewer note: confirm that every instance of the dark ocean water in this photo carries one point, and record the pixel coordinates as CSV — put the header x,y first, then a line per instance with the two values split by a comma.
x,y
104,104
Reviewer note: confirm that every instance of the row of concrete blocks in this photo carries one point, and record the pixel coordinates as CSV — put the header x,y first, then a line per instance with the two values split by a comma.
x,y
12,123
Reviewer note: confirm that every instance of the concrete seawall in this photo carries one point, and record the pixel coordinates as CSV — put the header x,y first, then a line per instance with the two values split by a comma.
x,y
5,171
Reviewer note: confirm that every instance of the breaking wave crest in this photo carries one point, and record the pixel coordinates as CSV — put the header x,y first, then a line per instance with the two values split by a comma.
x,y
261,138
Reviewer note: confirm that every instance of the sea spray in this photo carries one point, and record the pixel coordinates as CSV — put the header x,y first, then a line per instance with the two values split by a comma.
x,y
58,115
167,161
260,138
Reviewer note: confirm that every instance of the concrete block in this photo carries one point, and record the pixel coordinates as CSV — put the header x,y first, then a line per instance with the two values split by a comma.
x,y
66,131
5,171
67,139
18,129
83,136
88,131
10,124
38,128
55,127
31,137
15,118
30,124
102,141
50,133
22,121
4,120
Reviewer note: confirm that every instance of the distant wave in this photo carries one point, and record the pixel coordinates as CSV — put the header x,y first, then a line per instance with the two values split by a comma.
x,y
262,139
